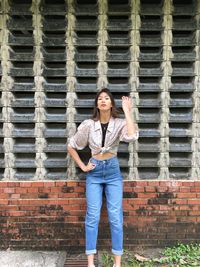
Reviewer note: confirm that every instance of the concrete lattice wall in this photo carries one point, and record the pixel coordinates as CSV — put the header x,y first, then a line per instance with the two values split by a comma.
x,y
55,55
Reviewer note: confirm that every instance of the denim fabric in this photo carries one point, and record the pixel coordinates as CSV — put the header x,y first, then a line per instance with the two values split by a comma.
x,y
106,175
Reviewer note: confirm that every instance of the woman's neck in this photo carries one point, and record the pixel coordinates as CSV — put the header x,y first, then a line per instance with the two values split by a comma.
x,y
104,117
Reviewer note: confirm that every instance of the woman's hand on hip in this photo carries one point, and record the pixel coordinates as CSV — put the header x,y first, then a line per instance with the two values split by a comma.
x,y
90,166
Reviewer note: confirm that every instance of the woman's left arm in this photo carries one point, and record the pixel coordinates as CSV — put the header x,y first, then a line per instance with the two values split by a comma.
x,y
127,108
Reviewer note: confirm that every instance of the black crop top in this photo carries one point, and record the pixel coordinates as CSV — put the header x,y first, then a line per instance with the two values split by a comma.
x,y
104,127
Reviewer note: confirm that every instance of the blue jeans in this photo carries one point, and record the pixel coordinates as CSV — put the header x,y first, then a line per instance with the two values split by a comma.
x,y
106,175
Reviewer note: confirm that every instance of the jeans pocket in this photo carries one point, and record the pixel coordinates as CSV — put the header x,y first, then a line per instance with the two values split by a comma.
x,y
114,164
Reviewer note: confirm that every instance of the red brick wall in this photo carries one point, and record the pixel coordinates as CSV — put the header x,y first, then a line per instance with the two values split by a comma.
x,y
50,214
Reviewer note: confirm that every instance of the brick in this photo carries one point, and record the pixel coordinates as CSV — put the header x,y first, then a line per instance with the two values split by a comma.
x,y
197,184
49,184
79,189
37,184
195,189
171,219
147,195
45,190
138,201
127,207
185,189
15,196
20,190
127,189
71,207
175,183
60,183
32,190
9,190
41,195
173,189
142,183
194,213
60,201
178,201
188,183
167,207
162,189
73,184
3,201
26,184
28,196
186,195
21,202
153,183
4,196
138,189
3,184
13,184
187,219
28,207
130,195
17,213
55,190
165,184
194,201
150,189
131,184
75,201
185,207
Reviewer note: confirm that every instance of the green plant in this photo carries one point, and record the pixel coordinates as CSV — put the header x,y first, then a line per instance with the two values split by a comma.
x,y
180,255
183,255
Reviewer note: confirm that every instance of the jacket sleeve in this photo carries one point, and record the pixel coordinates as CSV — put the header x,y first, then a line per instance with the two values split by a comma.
x,y
80,139
124,137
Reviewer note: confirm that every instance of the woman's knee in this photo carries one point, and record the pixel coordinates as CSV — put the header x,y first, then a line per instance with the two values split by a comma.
x,y
92,218
116,219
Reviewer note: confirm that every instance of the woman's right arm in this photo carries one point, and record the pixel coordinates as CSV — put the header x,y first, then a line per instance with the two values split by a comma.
x,y
73,153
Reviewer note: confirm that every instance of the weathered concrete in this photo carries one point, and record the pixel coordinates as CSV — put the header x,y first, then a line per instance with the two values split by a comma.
x,y
32,258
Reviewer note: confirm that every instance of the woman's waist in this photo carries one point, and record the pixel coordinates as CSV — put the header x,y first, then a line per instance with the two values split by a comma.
x,y
113,160
103,156
104,152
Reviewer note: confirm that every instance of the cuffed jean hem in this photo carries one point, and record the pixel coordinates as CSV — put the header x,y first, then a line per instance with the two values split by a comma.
x,y
89,252
117,253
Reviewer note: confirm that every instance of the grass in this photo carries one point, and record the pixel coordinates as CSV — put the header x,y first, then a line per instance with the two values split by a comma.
x,y
180,255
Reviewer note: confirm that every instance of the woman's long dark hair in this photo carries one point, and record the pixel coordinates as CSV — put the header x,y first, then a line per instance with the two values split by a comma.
x,y
114,111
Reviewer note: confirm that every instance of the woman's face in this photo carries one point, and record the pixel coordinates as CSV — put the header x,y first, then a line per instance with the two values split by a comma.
x,y
104,102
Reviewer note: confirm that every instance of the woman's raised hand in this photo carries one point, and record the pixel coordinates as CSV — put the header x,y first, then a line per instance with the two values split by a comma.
x,y
126,104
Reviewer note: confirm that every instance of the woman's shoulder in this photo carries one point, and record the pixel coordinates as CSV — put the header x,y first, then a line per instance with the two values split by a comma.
x,y
87,122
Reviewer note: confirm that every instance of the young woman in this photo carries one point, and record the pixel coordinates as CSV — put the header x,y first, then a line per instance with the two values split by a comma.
x,y
103,133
